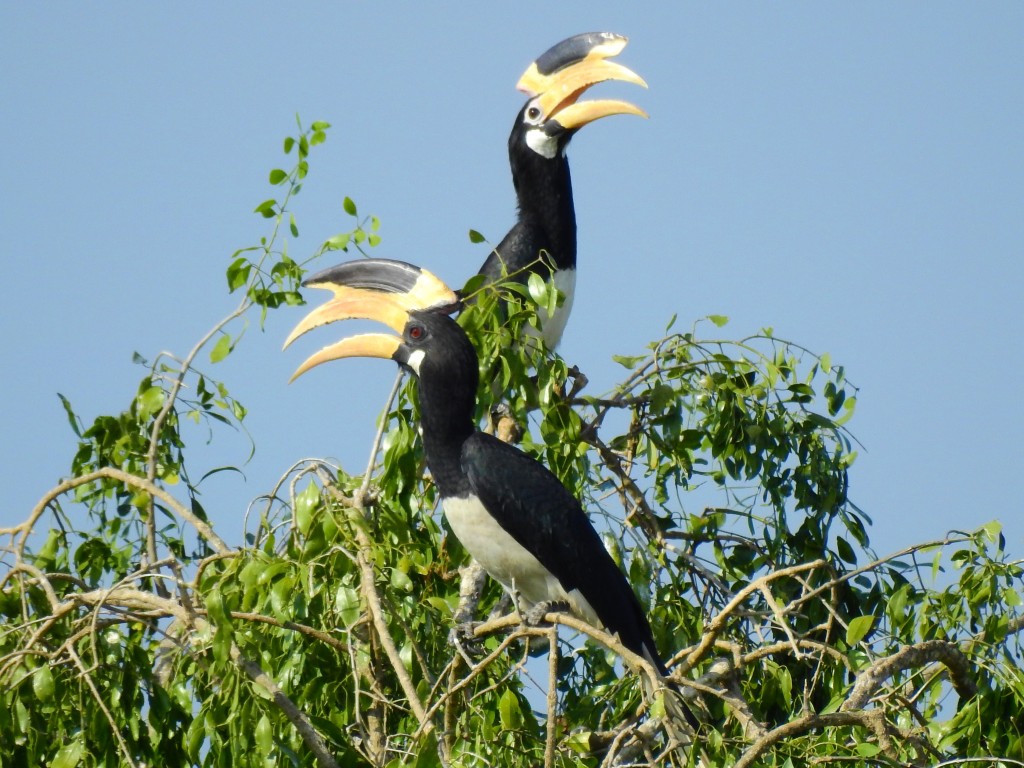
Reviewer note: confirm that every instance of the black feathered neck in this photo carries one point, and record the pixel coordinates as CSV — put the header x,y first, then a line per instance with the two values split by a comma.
x,y
448,372
544,192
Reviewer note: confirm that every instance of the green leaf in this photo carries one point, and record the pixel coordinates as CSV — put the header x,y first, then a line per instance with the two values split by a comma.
x,y
215,607
349,206
718,320
845,551
150,401
277,176
858,628
72,418
267,209
992,530
848,406
476,237
289,142
42,683
427,755
70,754
47,556
785,681
628,361
305,503
347,604
579,741
221,349
658,706
195,737
238,273
337,243
538,288
510,714
264,736
292,226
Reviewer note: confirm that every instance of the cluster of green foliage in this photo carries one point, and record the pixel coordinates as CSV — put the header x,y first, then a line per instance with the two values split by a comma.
x,y
133,635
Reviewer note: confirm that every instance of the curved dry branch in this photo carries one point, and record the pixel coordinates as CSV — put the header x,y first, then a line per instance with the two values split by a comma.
x,y
134,481
717,625
874,720
870,680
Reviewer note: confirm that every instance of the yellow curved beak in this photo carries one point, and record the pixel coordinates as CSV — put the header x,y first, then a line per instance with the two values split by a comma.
x,y
370,289
560,77
381,345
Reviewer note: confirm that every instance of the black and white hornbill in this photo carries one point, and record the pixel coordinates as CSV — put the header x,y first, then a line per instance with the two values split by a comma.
x,y
508,510
546,226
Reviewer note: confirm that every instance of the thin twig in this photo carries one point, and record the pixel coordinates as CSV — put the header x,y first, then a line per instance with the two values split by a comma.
x,y
295,715
717,625
549,741
128,479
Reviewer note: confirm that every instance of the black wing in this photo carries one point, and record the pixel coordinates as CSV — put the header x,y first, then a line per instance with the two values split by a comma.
x,y
533,506
520,248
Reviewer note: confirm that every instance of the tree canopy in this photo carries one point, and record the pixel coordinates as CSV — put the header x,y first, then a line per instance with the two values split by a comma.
x,y
716,470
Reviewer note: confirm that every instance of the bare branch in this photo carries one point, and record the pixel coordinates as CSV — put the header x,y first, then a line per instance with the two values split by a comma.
x,y
870,680
717,625
130,480
295,716
549,740
875,720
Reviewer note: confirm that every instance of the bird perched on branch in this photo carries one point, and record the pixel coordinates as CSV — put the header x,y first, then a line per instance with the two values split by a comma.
x,y
508,510
543,239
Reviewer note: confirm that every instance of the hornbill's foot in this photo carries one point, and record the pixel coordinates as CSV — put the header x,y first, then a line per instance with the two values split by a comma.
x,y
463,637
534,616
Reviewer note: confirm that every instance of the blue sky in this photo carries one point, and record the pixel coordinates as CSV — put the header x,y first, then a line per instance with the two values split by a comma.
x,y
849,174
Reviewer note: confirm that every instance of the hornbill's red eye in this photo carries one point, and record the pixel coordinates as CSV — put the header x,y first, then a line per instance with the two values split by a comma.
x,y
416,332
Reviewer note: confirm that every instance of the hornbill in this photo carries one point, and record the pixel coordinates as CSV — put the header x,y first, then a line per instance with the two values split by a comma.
x,y
508,510
546,226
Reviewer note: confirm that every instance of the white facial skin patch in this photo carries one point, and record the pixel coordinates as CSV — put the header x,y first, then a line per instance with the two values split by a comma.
x,y
544,145
416,359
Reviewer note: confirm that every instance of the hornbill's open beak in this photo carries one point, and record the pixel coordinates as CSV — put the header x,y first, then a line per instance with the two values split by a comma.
x,y
562,73
371,289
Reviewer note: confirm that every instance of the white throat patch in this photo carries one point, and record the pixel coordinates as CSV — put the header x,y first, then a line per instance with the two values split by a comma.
x,y
541,143
416,359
